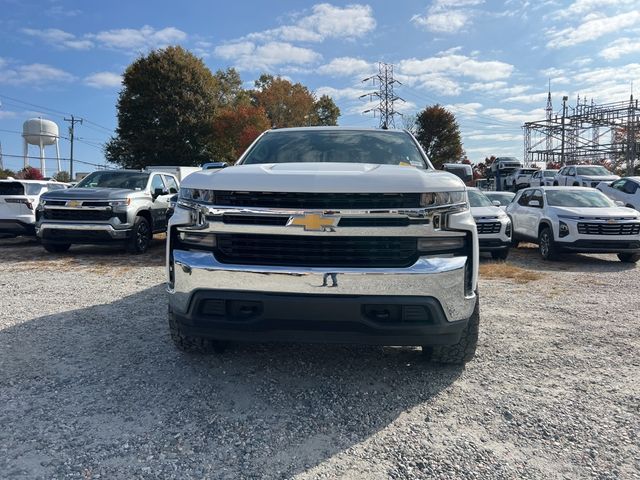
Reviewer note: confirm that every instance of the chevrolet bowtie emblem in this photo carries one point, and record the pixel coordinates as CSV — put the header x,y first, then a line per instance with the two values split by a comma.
x,y
74,203
313,222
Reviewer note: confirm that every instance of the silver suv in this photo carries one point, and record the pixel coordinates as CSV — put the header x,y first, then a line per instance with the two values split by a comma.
x,y
126,206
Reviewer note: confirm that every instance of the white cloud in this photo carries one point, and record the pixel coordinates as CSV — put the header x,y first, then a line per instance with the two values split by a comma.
x,y
538,98
249,56
346,66
325,21
514,115
348,93
593,27
59,38
36,74
446,16
7,113
468,109
583,7
144,38
496,137
104,80
620,47
459,65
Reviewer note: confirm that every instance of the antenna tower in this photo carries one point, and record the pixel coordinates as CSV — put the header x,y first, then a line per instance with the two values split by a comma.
x,y
385,94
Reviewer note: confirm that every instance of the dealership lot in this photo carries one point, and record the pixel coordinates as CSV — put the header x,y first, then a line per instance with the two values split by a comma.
x,y
92,386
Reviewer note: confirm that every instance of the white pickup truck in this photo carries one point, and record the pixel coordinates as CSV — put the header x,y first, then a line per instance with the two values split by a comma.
x,y
325,235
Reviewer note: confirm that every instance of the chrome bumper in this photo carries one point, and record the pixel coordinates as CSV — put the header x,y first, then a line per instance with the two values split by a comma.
x,y
442,278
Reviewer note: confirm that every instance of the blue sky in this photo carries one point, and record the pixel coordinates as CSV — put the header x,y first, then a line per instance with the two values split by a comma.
x,y
488,61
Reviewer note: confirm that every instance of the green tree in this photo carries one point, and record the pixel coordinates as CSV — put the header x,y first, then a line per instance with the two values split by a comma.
x,y
165,110
6,173
326,112
439,134
62,176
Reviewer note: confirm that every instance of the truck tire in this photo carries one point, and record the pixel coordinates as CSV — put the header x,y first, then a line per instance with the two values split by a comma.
x,y
193,344
141,236
463,351
629,257
547,245
56,247
500,254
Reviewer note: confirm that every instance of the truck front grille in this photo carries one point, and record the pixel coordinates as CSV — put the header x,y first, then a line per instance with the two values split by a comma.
x,y
303,200
316,251
281,220
488,227
80,215
608,228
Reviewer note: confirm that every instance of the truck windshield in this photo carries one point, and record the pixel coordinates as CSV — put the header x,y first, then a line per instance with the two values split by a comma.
x,y
478,199
115,179
550,173
578,198
330,146
597,170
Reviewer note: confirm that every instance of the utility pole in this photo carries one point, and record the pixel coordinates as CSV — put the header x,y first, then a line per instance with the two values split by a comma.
x,y
385,94
73,120
564,115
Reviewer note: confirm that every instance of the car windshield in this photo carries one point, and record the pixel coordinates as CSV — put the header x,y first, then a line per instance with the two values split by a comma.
x,y
550,173
596,170
115,179
503,197
528,171
578,198
478,199
330,146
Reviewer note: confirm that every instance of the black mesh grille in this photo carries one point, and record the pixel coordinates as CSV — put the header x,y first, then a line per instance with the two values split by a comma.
x,y
316,251
81,215
488,227
367,201
608,228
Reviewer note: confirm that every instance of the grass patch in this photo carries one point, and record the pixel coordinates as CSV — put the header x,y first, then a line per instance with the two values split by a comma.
x,y
506,270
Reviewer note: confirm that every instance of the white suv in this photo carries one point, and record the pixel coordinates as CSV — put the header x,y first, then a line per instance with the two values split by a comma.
x,y
543,178
625,190
520,178
19,200
583,176
494,226
575,219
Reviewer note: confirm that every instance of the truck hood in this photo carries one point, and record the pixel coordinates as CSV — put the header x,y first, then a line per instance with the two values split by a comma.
x,y
487,212
600,212
89,194
325,178
601,178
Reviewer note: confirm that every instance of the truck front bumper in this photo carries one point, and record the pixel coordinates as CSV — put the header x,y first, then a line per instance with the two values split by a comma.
x,y
80,233
427,303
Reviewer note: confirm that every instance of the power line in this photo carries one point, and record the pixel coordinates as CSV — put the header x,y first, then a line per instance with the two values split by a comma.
x,y
54,158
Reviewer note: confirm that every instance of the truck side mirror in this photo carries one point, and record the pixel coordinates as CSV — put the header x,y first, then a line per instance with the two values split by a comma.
x,y
158,192
495,203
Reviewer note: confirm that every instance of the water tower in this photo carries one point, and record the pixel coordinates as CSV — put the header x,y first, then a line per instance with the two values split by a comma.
x,y
40,132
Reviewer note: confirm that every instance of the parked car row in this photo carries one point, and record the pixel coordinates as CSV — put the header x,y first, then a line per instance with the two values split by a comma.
x,y
570,175
560,219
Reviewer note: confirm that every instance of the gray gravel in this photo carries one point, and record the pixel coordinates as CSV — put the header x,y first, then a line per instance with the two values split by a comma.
x,y
92,387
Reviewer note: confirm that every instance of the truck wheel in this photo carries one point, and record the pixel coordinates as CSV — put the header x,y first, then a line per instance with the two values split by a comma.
x,y
463,351
140,236
192,344
56,247
629,257
500,254
546,244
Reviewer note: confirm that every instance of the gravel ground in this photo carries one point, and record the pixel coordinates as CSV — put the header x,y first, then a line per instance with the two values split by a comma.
x,y
92,387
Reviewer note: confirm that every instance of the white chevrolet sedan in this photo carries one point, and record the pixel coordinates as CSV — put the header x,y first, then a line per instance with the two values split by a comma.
x,y
575,219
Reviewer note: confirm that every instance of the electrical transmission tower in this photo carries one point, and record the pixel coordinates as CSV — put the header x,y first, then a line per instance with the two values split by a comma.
x,y
385,95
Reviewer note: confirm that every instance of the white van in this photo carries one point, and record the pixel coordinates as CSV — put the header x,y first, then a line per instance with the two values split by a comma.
x,y
18,202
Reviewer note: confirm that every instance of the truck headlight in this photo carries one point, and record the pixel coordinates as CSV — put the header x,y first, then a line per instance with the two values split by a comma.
x,y
120,205
196,195
198,239
453,201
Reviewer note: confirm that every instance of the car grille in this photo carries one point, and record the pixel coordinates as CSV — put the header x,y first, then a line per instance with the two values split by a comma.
x,y
488,227
366,201
316,251
281,220
608,228
81,215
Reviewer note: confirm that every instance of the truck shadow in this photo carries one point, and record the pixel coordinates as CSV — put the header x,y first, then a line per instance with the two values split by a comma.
x,y
28,252
102,390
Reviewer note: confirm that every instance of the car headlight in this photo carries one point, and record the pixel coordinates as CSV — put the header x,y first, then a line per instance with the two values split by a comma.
x,y
564,229
451,201
196,195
